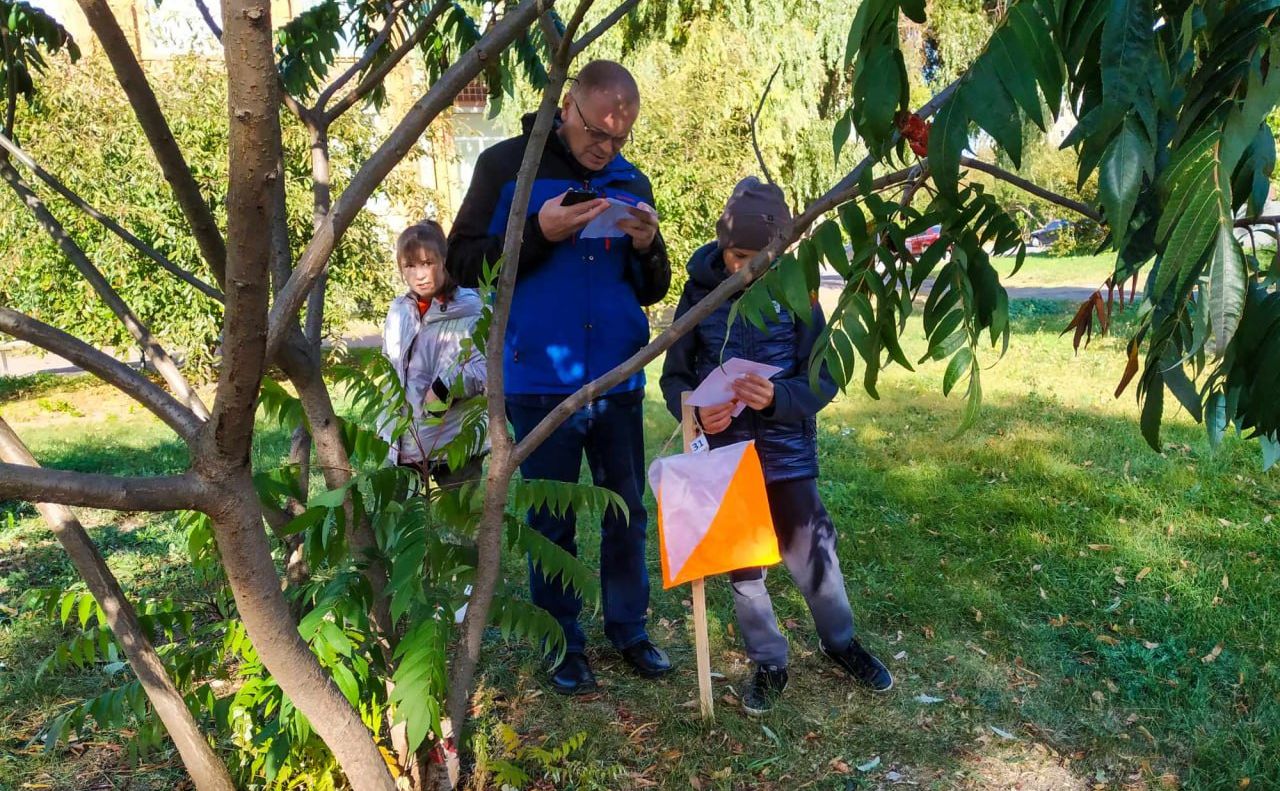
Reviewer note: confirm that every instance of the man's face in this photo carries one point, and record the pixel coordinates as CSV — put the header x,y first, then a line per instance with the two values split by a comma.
x,y
597,124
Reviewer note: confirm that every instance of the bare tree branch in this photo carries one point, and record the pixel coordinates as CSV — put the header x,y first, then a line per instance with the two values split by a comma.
x,y
147,109
551,31
315,258
1035,189
366,58
11,91
601,28
108,369
111,225
92,490
1261,219
502,465
205,768
755,119
214,27
380,72
164,364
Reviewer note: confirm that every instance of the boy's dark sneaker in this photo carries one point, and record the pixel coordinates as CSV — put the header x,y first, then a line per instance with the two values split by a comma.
x,y
859,663
573,675
765,688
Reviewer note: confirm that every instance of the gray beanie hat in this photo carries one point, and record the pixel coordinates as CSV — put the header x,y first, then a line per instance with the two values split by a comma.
x,y
755,214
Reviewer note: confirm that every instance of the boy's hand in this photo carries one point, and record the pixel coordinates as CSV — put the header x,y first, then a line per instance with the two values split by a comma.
x,y
754,390
715,419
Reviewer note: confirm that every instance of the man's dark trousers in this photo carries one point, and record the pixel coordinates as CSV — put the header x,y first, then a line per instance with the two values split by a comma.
x,y
610,431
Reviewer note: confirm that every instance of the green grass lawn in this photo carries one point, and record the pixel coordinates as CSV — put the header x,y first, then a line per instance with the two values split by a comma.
x,y
1062,607
1042,270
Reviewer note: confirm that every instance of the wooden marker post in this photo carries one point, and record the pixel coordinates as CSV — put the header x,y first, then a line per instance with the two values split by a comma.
x,y
702,645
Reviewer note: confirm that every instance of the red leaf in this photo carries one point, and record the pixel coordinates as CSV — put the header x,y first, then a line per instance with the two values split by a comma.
x,y
1130,368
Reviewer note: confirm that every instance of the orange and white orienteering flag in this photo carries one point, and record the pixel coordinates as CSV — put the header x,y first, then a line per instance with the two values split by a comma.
x,y
713,513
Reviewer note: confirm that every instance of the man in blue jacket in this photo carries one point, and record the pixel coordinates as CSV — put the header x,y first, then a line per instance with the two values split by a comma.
x,y
577,313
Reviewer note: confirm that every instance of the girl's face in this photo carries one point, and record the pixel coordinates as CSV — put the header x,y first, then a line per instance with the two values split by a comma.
x,y
735,258
422,269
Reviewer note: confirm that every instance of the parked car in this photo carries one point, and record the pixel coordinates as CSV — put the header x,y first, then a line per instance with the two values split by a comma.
x,y
1043,237
918,243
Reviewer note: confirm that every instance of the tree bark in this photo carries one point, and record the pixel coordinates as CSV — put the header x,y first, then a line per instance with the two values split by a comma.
x,y
206,769
93,490
172,163
223,454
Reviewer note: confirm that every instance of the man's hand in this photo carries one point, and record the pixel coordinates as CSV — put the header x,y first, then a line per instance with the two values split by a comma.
x,y
754,390
558,222
642,227
715,419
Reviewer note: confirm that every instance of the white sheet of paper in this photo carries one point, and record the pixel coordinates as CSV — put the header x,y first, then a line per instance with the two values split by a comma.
x,y
606,225
717,388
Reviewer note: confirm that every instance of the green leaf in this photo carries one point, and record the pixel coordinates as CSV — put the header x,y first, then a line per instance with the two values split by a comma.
x,y
840,135
1226,288
1011,66
1153,410
1127,52
973,406
958,367
914,10
947,141
1270,450
993,109
1128,159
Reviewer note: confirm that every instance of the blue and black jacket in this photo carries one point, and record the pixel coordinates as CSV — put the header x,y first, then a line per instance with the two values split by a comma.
x,y
577,309
786,433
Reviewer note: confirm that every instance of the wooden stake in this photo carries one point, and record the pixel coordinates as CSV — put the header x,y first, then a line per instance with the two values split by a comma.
x,y
701,644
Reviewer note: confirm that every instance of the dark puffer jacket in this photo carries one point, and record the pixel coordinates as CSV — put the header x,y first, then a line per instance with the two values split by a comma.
x,y
786,434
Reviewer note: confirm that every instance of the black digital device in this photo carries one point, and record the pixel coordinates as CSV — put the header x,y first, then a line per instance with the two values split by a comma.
x,y
575,196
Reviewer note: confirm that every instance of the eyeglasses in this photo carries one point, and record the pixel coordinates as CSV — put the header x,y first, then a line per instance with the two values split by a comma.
x,y
599,136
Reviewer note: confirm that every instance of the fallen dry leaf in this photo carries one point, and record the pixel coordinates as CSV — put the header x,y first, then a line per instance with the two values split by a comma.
x,y
1108,639
1142,729
1100,547
1150,646
839,766
1142,574
1226,583
1212,655
901,655
977,615
927,631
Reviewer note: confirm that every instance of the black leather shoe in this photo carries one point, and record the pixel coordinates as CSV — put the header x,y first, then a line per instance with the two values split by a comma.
x,y
865,668
573,676
647,659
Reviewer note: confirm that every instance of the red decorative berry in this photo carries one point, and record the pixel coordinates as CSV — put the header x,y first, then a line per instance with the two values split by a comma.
x,y
916,131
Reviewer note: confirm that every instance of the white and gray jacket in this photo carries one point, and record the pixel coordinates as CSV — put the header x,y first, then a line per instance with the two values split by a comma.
x,y
423,350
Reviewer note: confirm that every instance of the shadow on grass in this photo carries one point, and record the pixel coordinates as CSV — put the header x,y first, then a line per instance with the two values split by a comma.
x,y
1047,575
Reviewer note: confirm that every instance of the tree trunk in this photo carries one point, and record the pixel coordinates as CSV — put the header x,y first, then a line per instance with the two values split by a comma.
x,y
206,769
223,455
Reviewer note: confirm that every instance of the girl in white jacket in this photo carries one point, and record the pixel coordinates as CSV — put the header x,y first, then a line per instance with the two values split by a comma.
x,y
423,337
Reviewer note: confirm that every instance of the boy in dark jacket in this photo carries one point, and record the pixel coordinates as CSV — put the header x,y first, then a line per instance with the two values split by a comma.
x,y
781,417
